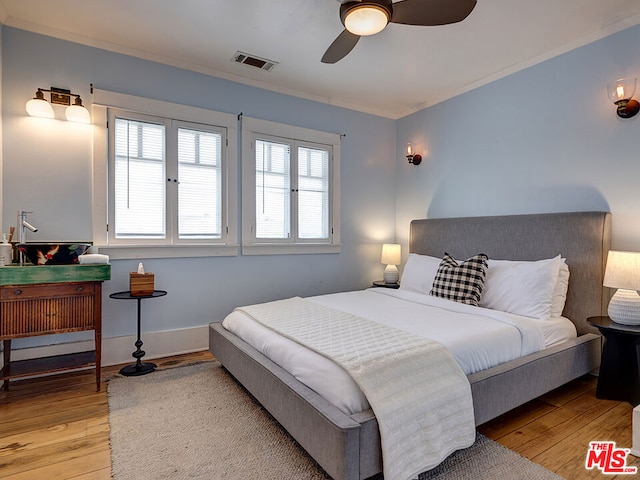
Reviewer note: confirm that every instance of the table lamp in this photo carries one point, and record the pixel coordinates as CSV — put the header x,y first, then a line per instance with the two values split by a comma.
x,y
623,273
391,258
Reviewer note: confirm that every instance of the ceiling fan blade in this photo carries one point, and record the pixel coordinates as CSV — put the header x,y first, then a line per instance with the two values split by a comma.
x,y
431,12
340,47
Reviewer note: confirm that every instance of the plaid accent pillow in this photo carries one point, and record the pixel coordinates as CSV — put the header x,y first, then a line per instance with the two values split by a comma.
x,y
463,282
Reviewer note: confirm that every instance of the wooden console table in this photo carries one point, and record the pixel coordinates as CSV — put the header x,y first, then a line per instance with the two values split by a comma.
x,y
32,309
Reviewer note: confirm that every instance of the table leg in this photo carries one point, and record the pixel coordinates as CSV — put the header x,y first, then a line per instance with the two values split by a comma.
x,y
139,368
7,362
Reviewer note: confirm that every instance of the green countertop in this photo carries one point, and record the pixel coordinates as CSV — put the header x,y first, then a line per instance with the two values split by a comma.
x,y
31,274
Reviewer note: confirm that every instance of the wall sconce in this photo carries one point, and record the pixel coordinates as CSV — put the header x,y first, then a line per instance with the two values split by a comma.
x,y
621,92
416,158
39,107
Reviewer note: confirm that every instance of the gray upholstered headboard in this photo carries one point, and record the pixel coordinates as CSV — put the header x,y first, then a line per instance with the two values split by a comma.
x,y
583,238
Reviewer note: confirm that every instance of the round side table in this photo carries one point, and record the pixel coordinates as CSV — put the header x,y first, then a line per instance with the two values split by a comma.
x,y
619,377
381,283
138,368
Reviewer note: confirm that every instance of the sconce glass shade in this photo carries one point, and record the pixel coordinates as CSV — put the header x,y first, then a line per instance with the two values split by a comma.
x,y
621,92
623,273
366,20
621,89
77,113
39,107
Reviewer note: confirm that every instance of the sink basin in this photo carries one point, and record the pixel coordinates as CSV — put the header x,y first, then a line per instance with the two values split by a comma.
x,y
53,253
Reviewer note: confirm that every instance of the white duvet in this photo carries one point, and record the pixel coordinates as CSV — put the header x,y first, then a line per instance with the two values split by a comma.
x,y
418,429
478,338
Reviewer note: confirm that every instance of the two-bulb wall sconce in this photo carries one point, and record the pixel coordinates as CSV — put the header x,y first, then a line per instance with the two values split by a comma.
x,y
621,93
413,158
40,107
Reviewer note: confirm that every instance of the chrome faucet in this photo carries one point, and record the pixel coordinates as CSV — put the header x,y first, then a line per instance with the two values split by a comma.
x,y
22,221
24,225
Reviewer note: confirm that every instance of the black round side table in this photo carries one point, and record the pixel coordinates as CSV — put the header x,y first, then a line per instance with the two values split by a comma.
x,y
619,377
138,368
381,283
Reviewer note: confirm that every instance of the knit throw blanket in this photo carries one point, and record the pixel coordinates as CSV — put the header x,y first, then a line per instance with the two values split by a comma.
x,y
420,396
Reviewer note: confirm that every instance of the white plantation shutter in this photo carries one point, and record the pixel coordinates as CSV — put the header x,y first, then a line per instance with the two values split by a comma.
x,y
273,187
313,193
139,179
199,191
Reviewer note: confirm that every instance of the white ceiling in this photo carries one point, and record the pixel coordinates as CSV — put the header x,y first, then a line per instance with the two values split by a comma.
x,y
399,71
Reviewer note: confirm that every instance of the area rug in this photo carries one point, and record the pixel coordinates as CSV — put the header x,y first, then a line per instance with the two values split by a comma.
x,y
197,422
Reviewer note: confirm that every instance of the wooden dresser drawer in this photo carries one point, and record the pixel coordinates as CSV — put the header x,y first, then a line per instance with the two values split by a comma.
x,y
28,310
23,292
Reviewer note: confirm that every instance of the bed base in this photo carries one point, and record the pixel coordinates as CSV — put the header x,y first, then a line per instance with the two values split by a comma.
x,y
348,446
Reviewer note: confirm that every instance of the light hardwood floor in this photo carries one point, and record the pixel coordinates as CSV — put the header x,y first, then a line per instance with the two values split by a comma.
x,y
57,427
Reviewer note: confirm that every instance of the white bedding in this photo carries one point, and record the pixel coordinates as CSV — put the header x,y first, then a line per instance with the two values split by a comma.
x,y
478,338
418,429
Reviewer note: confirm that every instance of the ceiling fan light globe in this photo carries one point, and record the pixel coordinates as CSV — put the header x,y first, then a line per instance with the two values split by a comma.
x,y
364,20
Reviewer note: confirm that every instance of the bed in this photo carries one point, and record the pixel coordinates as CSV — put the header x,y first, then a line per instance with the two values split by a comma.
x,y
347,446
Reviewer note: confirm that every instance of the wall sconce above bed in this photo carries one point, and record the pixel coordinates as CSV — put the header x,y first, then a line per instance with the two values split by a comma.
x,y
413,158
623,273
621,93
40,107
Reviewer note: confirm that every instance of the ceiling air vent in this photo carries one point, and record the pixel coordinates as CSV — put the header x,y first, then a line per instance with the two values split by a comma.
x,y
254,61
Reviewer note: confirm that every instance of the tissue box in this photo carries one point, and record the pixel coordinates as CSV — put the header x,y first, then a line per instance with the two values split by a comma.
x,y
141,284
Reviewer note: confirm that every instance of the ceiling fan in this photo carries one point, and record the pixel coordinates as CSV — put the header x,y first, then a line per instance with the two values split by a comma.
x,y
368,17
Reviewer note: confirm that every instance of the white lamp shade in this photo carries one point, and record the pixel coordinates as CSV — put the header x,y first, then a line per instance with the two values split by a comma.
x,y
623,273
39,108
77,113
623,270
390,254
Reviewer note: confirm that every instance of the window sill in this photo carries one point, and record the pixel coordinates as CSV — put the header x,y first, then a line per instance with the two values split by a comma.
x,y
123,252
288,249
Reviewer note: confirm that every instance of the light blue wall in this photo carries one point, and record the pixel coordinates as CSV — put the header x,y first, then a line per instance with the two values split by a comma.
x,y
47,169
541,140
546,139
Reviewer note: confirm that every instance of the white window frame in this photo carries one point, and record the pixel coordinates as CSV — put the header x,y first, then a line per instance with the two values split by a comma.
x,y
182,115
253,129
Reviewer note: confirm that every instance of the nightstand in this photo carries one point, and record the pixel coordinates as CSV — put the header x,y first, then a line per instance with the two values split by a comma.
x,y
380,283
619,377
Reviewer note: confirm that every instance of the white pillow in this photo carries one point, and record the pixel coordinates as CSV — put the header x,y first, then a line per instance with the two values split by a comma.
x,y
523,288
419,273
560,291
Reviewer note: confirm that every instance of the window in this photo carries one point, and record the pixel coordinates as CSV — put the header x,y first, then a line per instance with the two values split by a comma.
x,y
290,199
167,179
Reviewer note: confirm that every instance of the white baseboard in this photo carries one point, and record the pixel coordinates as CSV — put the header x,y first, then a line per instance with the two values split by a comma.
x,y
118,350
